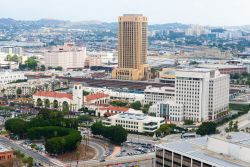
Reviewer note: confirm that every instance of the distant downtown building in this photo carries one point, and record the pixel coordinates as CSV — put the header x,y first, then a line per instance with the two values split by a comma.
x,y
68,56
132,48
228,150
200,95
12,50
226,68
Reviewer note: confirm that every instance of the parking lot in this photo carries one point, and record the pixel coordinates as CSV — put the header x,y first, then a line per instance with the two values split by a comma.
x,y
130,148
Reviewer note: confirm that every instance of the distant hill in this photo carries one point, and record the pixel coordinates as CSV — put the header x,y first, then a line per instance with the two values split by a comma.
x,y
52,22
7,21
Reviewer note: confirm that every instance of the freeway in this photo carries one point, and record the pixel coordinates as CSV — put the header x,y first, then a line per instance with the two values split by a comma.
x,y
36,156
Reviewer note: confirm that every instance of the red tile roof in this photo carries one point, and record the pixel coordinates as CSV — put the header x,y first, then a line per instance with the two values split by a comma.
x,y
54,94
115,108
96,96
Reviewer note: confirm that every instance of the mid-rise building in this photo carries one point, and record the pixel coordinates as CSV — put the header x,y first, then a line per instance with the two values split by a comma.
x,y
135,121
68,56
200,94
229,150
132,48
226,68
11,50
10,76
203,93
168,109
153,95
31,86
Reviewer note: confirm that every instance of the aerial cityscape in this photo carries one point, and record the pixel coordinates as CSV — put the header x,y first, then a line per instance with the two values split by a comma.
x,y
124,83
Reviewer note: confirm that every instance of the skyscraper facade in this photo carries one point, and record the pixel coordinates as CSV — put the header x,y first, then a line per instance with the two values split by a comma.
x,y
132,48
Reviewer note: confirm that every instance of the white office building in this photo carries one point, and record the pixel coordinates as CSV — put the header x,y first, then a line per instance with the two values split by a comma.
x,y
12,50
200,95
135,122
204,93
9,76
68,56
222,150
168,109
154,94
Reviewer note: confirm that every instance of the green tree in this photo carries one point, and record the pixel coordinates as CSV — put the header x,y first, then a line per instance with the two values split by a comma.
x,y
8,58
28,161
116,134
165,129
188,122
206,128
16,126
42,68
119,103
235,126
230,126
85,93
19,92
136,105
31,63
97,128
146,108
59,68
85,118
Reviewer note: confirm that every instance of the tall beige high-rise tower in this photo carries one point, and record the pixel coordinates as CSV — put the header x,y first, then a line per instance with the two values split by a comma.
x,y
132,48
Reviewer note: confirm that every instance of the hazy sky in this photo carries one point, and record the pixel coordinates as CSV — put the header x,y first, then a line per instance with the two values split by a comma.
x,y
205,12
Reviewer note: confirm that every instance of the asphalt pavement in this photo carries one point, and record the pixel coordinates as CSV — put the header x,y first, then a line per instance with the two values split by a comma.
x,y
29,152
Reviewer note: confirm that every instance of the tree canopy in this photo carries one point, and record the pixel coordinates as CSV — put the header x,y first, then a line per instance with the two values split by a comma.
x,y
116,134
206,128
16,125
136,105
60,134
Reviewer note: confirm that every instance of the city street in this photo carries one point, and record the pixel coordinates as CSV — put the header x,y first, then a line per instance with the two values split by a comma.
x,y
36,156
145,160
242,121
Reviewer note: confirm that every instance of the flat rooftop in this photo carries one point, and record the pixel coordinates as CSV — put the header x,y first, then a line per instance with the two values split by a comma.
x,y
137,117
4,149
219,66
197,149
195,70
133,15
239,138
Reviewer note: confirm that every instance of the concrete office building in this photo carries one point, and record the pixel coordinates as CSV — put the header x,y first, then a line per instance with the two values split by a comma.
x,y
9,76
135,121
200,95
229,150
204,93
132,48
168,109
68,56
154,94
226,68
12,50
